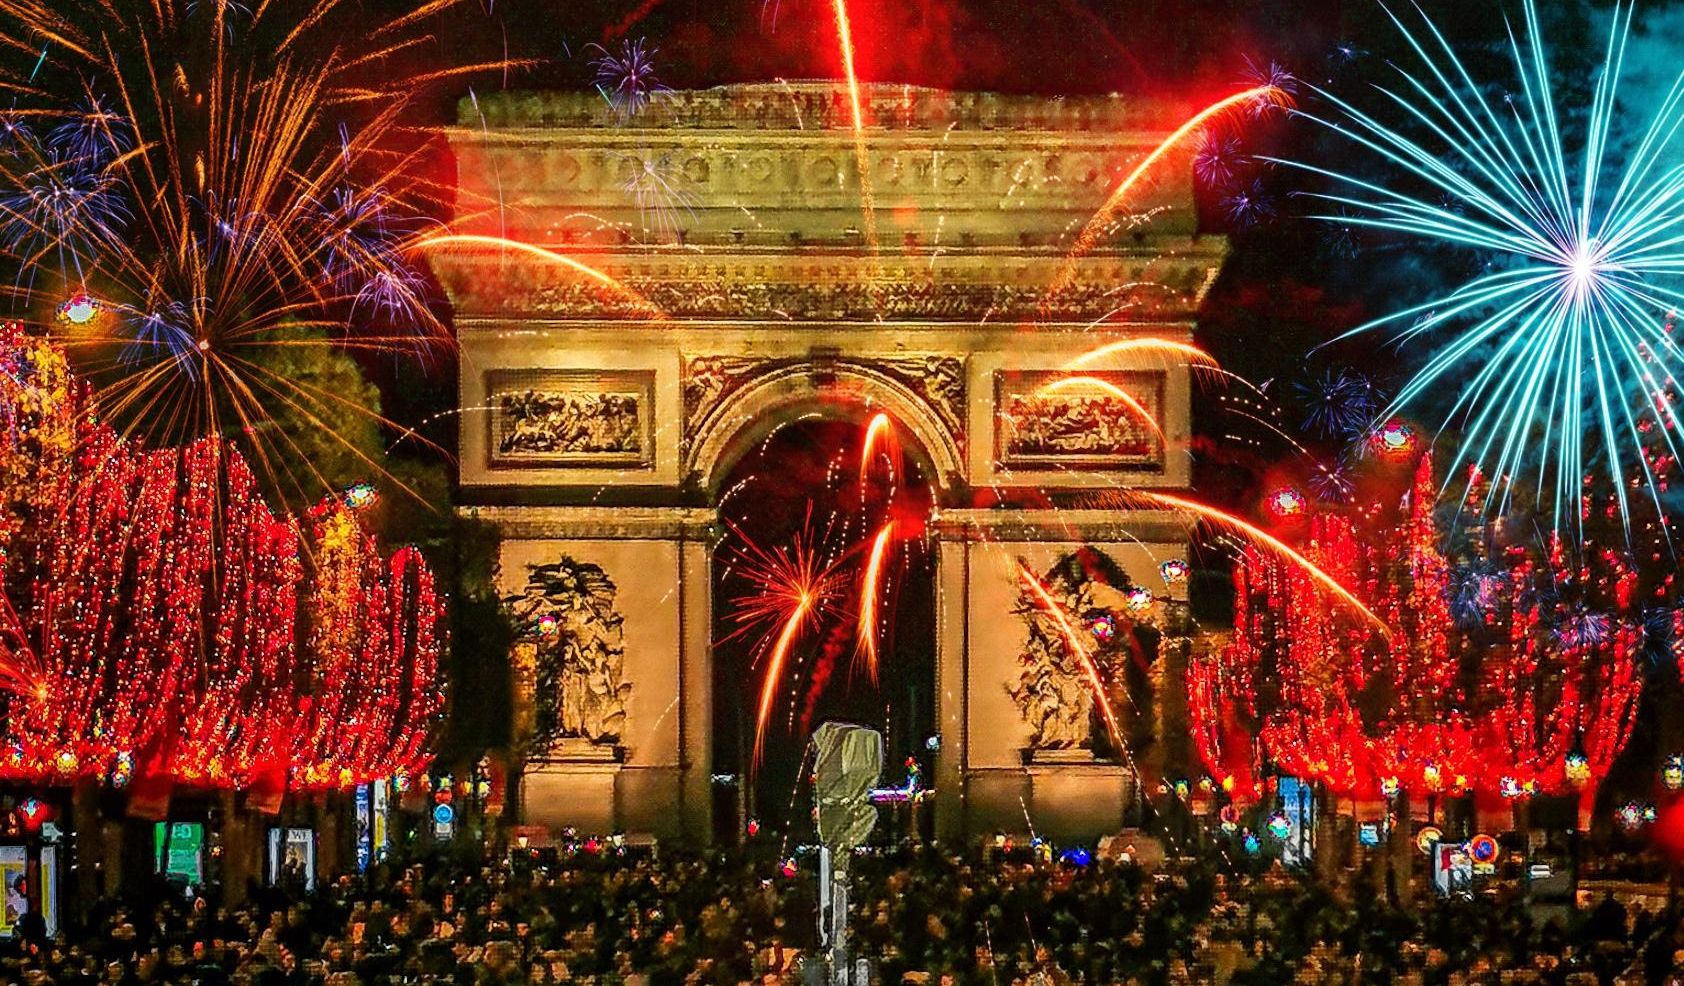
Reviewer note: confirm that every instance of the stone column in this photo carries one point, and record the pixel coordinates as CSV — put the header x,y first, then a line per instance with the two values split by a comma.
x,y
695,564
952,685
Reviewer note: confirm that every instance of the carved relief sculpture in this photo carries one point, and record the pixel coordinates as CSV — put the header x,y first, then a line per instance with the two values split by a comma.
x,y
568,418
572,641
1114,623
1078,425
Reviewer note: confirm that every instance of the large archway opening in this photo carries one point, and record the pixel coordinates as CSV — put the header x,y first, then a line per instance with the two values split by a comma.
x,y
823,610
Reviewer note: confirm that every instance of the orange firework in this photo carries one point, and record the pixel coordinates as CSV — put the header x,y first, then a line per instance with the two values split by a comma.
x,y
1147,346
1111,390
1078,649
880,429
871,585
793,588
1134,497
845,39
549,256
1095,229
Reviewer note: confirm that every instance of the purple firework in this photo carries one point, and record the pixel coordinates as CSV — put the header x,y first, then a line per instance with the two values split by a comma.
x,y
627,80
93,134
163,332
1249,205
63,209
1218,160
1339,403
1269,73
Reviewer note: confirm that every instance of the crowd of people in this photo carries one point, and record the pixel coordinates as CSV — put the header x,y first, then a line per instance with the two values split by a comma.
x,y
921,915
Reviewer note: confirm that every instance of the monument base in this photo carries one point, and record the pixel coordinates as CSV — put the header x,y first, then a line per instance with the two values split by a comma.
x,y
1072,795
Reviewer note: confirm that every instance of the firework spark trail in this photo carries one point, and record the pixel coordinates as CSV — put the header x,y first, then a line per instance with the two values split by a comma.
x,y
1547,349
862,158
775,658
1111,390
1096,227
880,430
1078,650
871,585
1149,346
1255,533
497,242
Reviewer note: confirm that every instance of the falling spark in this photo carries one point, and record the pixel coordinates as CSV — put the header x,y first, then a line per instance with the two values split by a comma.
x,y
1193,354
1078,649
1261,536
870,586
862,160
1111,390
1264,95
471,239
880,428
775,659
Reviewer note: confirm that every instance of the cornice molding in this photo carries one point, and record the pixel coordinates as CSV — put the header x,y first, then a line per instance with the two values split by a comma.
x,y
601,523
819,105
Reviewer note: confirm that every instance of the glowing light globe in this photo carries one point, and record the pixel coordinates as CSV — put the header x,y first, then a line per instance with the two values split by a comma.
x,y
79,309
1103,628
1253,845
360,495
1482,848
1174,571
1230,817
1395,439
1672,774
547,625
1285,503
1280,826
1576,767
1139,599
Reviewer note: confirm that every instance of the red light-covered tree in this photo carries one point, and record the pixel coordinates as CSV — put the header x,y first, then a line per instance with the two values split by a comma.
x,y
374,645
1530,688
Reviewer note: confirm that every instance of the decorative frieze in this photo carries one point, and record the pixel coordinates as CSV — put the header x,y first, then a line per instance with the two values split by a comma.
x,y
570,418
1101,421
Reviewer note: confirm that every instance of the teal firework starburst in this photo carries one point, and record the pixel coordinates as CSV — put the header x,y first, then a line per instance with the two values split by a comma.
x,y
1556,354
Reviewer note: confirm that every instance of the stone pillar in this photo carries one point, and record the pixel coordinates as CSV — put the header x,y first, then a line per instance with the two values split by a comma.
x,y
952,686
695,566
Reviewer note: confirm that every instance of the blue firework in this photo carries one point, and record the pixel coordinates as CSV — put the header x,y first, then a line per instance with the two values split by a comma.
x,y
93,134
1545,348
627,79
396,291
1338,403
1580,627
161,332
1249,205
1218,160
1332,483
61,209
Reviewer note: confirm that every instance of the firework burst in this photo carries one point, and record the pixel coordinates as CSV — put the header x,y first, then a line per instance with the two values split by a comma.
x,y
1550,347
793,590
218,202
627,78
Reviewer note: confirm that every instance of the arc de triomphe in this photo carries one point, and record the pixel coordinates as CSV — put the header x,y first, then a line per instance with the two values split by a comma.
x,y
600,421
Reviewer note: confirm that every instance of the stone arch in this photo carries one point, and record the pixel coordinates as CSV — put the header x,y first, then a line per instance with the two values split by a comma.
x,y
834,390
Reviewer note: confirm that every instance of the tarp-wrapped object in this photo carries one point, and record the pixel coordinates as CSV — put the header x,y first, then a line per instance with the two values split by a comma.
x,y
847,761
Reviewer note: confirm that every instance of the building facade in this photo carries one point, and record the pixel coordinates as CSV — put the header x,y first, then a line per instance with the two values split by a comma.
x,y
713,268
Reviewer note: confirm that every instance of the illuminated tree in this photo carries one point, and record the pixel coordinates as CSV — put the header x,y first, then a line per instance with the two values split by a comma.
x,y
1527,685
375,637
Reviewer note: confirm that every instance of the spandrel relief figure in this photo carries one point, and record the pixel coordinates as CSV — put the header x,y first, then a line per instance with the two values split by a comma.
x,y
572,644
1086,601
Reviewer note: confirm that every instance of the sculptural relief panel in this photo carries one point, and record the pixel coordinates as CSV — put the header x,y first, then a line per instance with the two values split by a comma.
x,y
1045,419
570,418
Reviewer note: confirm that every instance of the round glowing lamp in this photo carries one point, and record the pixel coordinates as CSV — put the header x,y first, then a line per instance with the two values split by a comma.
x,y
79,309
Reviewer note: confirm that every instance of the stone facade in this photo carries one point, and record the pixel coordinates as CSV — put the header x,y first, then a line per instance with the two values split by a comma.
x,y
601,419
